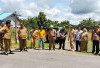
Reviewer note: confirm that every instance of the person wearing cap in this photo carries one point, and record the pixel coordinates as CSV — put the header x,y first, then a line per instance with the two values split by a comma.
x,y
72,37
63,34
21,34
7,37
52,37
1,35
41,37
95,39
34,35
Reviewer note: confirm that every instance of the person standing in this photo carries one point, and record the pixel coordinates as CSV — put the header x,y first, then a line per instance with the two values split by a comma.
x,y
72,38
63,34
34,35
58,35
84,40
1,35
77,38
21,34
95,39
52,37
7,37
41,36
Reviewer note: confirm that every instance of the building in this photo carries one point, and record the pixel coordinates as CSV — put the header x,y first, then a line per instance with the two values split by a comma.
x,y
9,16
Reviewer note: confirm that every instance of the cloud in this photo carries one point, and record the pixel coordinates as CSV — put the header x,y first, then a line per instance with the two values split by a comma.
x,y
0,9
55,10
52,12
84,6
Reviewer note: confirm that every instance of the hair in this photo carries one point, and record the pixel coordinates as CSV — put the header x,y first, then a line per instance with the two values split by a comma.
x,y
1,21
8,22
85,29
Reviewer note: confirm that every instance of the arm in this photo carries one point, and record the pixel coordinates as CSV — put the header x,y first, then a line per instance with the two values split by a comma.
x,y
17,34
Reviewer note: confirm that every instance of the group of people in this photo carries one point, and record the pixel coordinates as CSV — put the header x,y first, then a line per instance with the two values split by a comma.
x,y
80,37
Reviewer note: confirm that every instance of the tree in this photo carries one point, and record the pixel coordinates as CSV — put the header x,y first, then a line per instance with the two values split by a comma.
x,y
41,19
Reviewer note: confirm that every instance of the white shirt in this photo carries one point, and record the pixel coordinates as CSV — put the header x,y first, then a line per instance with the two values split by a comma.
x,y
78,33
58,35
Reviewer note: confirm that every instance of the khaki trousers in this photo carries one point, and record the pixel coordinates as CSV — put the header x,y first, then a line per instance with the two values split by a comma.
x,y
33,42
51,43
22,43
71,43
1,43
8,45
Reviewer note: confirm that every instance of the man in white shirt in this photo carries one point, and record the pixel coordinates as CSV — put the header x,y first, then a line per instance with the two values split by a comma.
x,y
58,35
77,38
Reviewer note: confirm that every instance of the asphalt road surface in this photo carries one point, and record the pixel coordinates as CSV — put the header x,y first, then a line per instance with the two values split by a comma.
x,y
49,59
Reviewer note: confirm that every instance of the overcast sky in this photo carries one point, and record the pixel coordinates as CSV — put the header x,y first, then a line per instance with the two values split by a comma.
x,y
72,10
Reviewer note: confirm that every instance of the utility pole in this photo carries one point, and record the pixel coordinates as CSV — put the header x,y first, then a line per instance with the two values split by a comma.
x,y
15,14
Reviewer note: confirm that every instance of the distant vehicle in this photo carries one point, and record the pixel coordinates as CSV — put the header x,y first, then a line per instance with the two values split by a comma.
x,y
48,31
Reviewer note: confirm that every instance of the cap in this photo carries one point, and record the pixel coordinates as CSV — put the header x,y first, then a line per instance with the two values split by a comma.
x,y
51,26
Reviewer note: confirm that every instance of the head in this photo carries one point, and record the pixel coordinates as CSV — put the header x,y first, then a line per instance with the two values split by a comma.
x,y
72,27
21,25
84,30
41,27
8,23
96,27
34,28
51,27
58,29
2,23
79,28
64,28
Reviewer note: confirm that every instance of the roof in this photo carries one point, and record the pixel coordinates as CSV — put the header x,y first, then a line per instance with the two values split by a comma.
x,y
4,15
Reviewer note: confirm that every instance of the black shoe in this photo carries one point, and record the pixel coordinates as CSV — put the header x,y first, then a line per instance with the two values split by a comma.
x,y
25,50
5,53
20,49
63,49
11,52
96,53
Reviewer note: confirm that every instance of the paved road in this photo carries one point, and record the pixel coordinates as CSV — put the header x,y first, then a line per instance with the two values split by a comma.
x,y
49,59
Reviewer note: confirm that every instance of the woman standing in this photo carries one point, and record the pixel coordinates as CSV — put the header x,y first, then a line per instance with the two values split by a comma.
x,y
84,40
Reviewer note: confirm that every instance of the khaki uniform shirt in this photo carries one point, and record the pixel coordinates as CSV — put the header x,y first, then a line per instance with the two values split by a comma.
x,y
72,33
22,33
52,33
34,33
7,32
2,34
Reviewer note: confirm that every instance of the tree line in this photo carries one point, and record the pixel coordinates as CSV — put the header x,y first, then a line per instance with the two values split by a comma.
x,y
41,20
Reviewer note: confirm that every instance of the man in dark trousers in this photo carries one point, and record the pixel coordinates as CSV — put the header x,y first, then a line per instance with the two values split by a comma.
x,y
63,34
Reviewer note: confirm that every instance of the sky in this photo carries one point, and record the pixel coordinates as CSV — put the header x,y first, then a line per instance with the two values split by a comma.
x,y
60,10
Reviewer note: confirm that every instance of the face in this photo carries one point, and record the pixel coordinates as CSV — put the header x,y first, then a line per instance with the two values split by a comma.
x,y
41,27
79,28
51,27
34,28
2,24
22,25
63,27
9,25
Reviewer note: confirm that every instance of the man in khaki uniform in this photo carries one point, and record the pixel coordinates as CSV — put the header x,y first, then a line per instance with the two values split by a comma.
x,y
52,37
34,35
21,34
1,35
72,37
7,37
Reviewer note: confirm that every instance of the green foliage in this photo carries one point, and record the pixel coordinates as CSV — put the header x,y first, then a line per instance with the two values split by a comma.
x,y
41,19
88,23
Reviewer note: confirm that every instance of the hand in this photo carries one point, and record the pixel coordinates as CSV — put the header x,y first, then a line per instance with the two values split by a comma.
x,y
68,39
17,40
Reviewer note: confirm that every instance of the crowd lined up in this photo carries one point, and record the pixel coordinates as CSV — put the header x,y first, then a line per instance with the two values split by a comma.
x,y
80,37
